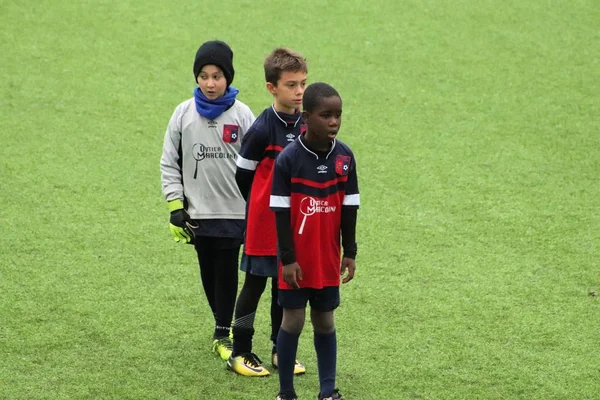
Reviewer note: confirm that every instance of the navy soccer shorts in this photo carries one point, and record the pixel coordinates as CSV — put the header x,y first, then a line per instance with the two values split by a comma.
x,y
326,299
266,266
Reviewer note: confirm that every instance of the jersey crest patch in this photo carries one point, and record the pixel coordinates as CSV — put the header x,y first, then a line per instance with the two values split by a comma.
x,y
230,133
342,164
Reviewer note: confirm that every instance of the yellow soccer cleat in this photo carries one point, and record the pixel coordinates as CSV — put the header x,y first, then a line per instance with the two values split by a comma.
x,y
247,364
299,368
223,347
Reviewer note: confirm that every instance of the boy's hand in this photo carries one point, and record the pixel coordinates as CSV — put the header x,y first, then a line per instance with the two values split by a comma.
x,y
292,274
349,266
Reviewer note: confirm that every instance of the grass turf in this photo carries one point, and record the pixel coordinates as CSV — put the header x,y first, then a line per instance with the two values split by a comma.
x,y
476,129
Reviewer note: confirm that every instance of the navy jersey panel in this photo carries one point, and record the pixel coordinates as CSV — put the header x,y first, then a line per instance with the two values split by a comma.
x,y
255,141
298,170
269,134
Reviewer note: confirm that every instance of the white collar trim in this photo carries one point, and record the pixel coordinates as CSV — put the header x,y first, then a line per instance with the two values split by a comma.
x,y
282,120
312,152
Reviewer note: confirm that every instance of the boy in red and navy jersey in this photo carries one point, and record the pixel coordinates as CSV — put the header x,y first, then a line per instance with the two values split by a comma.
x,y
315,198
275,128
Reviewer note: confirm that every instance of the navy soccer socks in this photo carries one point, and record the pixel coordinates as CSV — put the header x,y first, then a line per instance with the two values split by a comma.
x,y
287,346
326,348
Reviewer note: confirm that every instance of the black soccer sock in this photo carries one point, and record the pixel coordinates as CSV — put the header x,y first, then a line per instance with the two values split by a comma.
x,y
221,332
225,288
245,311
206,261
326,348
276,313
287,346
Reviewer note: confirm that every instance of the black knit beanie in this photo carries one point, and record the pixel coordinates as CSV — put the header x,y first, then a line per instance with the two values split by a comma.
x,y
217,53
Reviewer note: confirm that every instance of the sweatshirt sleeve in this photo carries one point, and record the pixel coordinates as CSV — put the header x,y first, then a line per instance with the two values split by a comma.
x,y
170,162
247,120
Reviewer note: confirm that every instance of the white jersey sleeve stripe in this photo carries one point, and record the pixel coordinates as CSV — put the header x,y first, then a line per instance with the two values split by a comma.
x,y
250,165
351,200
280,201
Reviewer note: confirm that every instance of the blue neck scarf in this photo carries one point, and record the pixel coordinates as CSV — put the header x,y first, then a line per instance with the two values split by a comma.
x,y
211,109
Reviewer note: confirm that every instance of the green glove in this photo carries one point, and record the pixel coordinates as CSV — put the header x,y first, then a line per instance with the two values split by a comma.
x,y
181,225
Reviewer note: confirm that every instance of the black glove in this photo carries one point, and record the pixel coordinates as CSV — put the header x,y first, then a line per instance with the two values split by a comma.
x,y
181,225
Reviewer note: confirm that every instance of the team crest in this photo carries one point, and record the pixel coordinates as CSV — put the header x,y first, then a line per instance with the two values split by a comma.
x,y
231,133
342,165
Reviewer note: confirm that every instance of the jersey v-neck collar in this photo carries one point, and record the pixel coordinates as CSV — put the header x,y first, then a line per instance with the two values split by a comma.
x,y
301,140
285,123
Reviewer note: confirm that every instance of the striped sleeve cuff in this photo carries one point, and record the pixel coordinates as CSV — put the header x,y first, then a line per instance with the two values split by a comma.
x,y
351,200
250,165
279,202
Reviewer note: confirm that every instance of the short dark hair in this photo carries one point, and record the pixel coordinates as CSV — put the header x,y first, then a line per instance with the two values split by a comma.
x,y
316,91
281,60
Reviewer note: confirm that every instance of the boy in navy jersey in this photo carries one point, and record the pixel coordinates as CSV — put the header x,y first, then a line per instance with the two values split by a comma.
x,y
315,199
275,128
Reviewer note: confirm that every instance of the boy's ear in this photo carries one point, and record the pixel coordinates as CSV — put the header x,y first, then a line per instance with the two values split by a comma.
x,y
271,88
304,116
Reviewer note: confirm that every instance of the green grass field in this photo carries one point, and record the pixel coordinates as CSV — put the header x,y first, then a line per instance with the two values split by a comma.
x,y
476,126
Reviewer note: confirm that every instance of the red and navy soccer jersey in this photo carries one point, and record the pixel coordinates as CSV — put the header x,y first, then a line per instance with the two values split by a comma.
x,y
261,145
315,189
